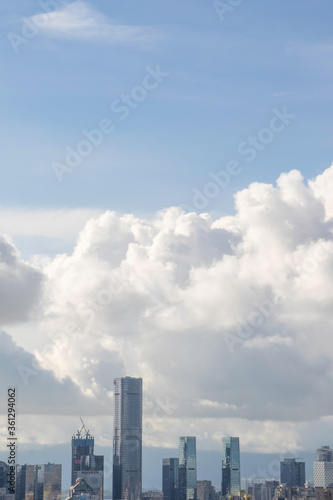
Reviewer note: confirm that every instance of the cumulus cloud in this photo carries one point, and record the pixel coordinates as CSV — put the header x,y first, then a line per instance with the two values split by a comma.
x,y
38,390
79,21
228,321
20,284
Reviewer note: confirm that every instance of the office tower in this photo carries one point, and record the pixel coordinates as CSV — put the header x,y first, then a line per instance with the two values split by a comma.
x,y
323,468
292,473
187,472
85,464
324,454
25,482
48,482
38,482
230,466
170,478
4,470
127,439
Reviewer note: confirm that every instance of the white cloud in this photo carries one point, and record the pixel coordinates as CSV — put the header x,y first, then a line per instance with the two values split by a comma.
x,y
79,21
158,298
38,390
20,284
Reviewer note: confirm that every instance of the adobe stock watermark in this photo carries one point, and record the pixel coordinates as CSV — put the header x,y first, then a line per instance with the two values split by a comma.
x,y
159,410
320,253
249,149
30,26
122,108
226,7
257,318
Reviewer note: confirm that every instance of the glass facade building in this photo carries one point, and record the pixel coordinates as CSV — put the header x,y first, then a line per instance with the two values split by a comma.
x,y
187,472
170,478
81,447
292,473
86,465
230,466
127,439
4,470
25,482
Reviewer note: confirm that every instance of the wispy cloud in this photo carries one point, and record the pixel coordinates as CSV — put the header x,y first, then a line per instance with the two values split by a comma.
x,y
79,21
317,56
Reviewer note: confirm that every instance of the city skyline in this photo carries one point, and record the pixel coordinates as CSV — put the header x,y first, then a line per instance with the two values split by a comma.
x,y
179,475
292,472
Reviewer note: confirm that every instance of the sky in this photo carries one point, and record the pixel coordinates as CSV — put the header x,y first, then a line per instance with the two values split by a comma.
x,y
166,212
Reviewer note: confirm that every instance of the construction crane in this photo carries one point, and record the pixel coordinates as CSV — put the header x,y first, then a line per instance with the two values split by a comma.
x,y
79,432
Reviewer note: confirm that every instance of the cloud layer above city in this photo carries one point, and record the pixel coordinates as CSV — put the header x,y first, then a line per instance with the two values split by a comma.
x,y
227,320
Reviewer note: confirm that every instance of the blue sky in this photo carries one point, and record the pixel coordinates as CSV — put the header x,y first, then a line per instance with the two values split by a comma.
x,y
113,111
225,78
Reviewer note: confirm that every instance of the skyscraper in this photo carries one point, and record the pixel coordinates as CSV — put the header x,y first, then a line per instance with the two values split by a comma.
x,y
230,466
187,468
323,468
170,478
25,482
127,439
85,464
292,473
4,470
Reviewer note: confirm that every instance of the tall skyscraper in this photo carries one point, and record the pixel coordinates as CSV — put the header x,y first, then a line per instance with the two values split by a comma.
x,y
25,482
230,466
170,478
292,473
85,464
323,468
187,468
127,439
